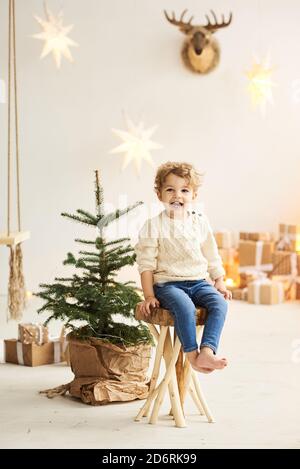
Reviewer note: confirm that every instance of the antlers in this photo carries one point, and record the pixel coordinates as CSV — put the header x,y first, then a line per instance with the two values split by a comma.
x,y
186,27
183,26
213,27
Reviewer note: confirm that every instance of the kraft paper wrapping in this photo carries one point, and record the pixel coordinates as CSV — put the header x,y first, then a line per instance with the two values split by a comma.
x,y
33,333
255,255
266,292
291,286
32,354
106,372
247,277
101,391
259,236
224,239
240,294
289,237
286,263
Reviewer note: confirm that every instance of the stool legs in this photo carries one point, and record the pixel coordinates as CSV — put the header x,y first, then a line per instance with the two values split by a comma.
x,y
178,380
170,375
156,368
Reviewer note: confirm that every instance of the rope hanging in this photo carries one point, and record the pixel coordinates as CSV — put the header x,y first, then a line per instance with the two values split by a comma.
x,y
16,284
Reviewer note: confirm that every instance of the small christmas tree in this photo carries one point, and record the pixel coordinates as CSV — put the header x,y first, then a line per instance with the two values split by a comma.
x,y
93,295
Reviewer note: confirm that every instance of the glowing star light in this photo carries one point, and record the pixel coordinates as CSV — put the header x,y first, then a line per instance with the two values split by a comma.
x,y
261,84
55,36
136,144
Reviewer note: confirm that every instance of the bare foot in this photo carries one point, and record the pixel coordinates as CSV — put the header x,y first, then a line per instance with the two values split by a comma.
x,y
193,357
207,359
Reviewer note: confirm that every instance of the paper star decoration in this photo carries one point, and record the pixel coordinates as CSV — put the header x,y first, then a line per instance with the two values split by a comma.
x,y
260,84
55,36
136,144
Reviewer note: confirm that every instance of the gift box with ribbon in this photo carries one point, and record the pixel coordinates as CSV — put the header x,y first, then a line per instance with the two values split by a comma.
x,y
255,255
256,236
289,238
224,239
32,333
240,294
265,291
32,354
286,263
247,277
291,286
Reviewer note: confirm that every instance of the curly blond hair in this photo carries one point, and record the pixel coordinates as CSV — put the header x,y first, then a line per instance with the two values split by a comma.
x,y
184,170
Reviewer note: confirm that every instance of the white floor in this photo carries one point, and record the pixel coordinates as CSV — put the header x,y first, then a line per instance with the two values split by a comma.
x,y
255,401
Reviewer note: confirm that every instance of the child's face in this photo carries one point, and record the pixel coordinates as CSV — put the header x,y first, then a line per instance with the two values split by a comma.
x,y
176,195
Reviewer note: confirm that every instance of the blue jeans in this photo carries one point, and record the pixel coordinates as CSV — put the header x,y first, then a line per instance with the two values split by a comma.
x,y
181,298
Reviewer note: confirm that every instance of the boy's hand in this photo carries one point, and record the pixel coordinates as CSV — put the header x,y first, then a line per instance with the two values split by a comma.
x,y
145,306
221,287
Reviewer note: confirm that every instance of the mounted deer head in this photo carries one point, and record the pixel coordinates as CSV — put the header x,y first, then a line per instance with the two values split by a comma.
x,y
200,52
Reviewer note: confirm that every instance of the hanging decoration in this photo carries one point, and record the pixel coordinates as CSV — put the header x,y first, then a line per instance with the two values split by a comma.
x,y
16,286
200,51
136,145
260,84
55,36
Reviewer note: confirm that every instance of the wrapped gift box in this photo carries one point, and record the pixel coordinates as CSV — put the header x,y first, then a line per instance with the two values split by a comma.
x,y
291,285
33,334
224,239
255,255
258,236
289,237
246,278
240,294
32,354
286,263
265,292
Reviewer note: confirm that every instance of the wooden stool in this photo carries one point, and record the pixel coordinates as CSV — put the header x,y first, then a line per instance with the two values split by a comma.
x,y
179,377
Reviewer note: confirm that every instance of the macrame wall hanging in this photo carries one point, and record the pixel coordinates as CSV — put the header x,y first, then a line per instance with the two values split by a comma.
x,y
13,239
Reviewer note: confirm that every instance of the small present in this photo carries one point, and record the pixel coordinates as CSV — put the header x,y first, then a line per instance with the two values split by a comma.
x,y
255,255
285,263
247,277
64,345
265,291
32,354
33,334
256,236
289,238
240,294
289,285
224,239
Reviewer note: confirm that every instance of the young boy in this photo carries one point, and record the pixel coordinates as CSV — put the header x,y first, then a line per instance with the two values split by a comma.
x,y
176,253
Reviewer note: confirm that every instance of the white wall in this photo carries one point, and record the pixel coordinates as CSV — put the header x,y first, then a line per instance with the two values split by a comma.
x,y
129,59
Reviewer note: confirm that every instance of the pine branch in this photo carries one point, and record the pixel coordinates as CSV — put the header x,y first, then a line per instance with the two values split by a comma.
x,y
121,240
83,241
76,218
88,215
107,219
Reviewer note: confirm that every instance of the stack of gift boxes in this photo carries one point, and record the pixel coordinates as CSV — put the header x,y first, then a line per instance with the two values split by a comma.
x,y
262,270
35,347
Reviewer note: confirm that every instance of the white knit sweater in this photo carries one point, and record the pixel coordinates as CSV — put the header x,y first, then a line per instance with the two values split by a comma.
x,y
176,250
